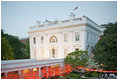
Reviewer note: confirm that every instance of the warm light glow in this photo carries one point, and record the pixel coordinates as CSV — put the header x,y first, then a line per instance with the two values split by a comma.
x,y
87,69
56,65
26,71
52,71
51,66
34,69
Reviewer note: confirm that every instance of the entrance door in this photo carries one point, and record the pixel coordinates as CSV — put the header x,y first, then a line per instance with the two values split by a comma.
x,y
53,53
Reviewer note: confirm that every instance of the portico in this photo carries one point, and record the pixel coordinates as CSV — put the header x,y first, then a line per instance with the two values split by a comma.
x,y
21,67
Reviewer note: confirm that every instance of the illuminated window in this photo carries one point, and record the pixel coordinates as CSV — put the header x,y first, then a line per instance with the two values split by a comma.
x,y
65,37
76,36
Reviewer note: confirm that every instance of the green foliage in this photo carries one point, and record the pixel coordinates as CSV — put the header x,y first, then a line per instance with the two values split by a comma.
x,y
92,64
77,58
106,49
6,50
17,46
68,76
72,76
91,74
20,50
27,49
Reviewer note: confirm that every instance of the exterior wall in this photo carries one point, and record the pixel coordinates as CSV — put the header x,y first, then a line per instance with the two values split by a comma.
x,y
70,45
92,38
88,37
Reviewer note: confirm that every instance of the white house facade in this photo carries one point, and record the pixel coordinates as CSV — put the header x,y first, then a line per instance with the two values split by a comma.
x,y
54,40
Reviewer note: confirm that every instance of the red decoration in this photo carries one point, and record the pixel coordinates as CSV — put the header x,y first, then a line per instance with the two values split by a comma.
x,y
47,72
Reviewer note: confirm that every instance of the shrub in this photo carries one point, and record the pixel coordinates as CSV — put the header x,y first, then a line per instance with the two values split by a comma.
x,y
91,74
72,76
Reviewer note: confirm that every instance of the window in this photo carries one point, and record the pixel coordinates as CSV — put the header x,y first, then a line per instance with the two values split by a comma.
x,y
53,39
88,36
42,52
42,39
53,53
76,36
77,49
34,40
65,37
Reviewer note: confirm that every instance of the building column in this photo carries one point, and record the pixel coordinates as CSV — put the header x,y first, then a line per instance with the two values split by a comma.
x,y
71,42
19,72
39,72
37,47
31,45
84,39
47,71
6,74
46,48
60,45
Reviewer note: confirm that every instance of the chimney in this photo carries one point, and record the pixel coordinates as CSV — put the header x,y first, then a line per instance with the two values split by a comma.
x,y
37,22
72,16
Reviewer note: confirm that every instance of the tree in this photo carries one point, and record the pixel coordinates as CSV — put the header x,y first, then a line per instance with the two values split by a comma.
x,y
92,64
105,50
6,49
77,58
17,46
27,52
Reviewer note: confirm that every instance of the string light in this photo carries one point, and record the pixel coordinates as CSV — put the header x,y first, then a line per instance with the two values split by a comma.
x,y
95,70
58,71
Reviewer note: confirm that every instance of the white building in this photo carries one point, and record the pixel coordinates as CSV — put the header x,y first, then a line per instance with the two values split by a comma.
x,y
54,40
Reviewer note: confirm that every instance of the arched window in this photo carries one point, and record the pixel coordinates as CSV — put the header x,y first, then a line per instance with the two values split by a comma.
x,y
42,39
65,37
53,39
77,36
